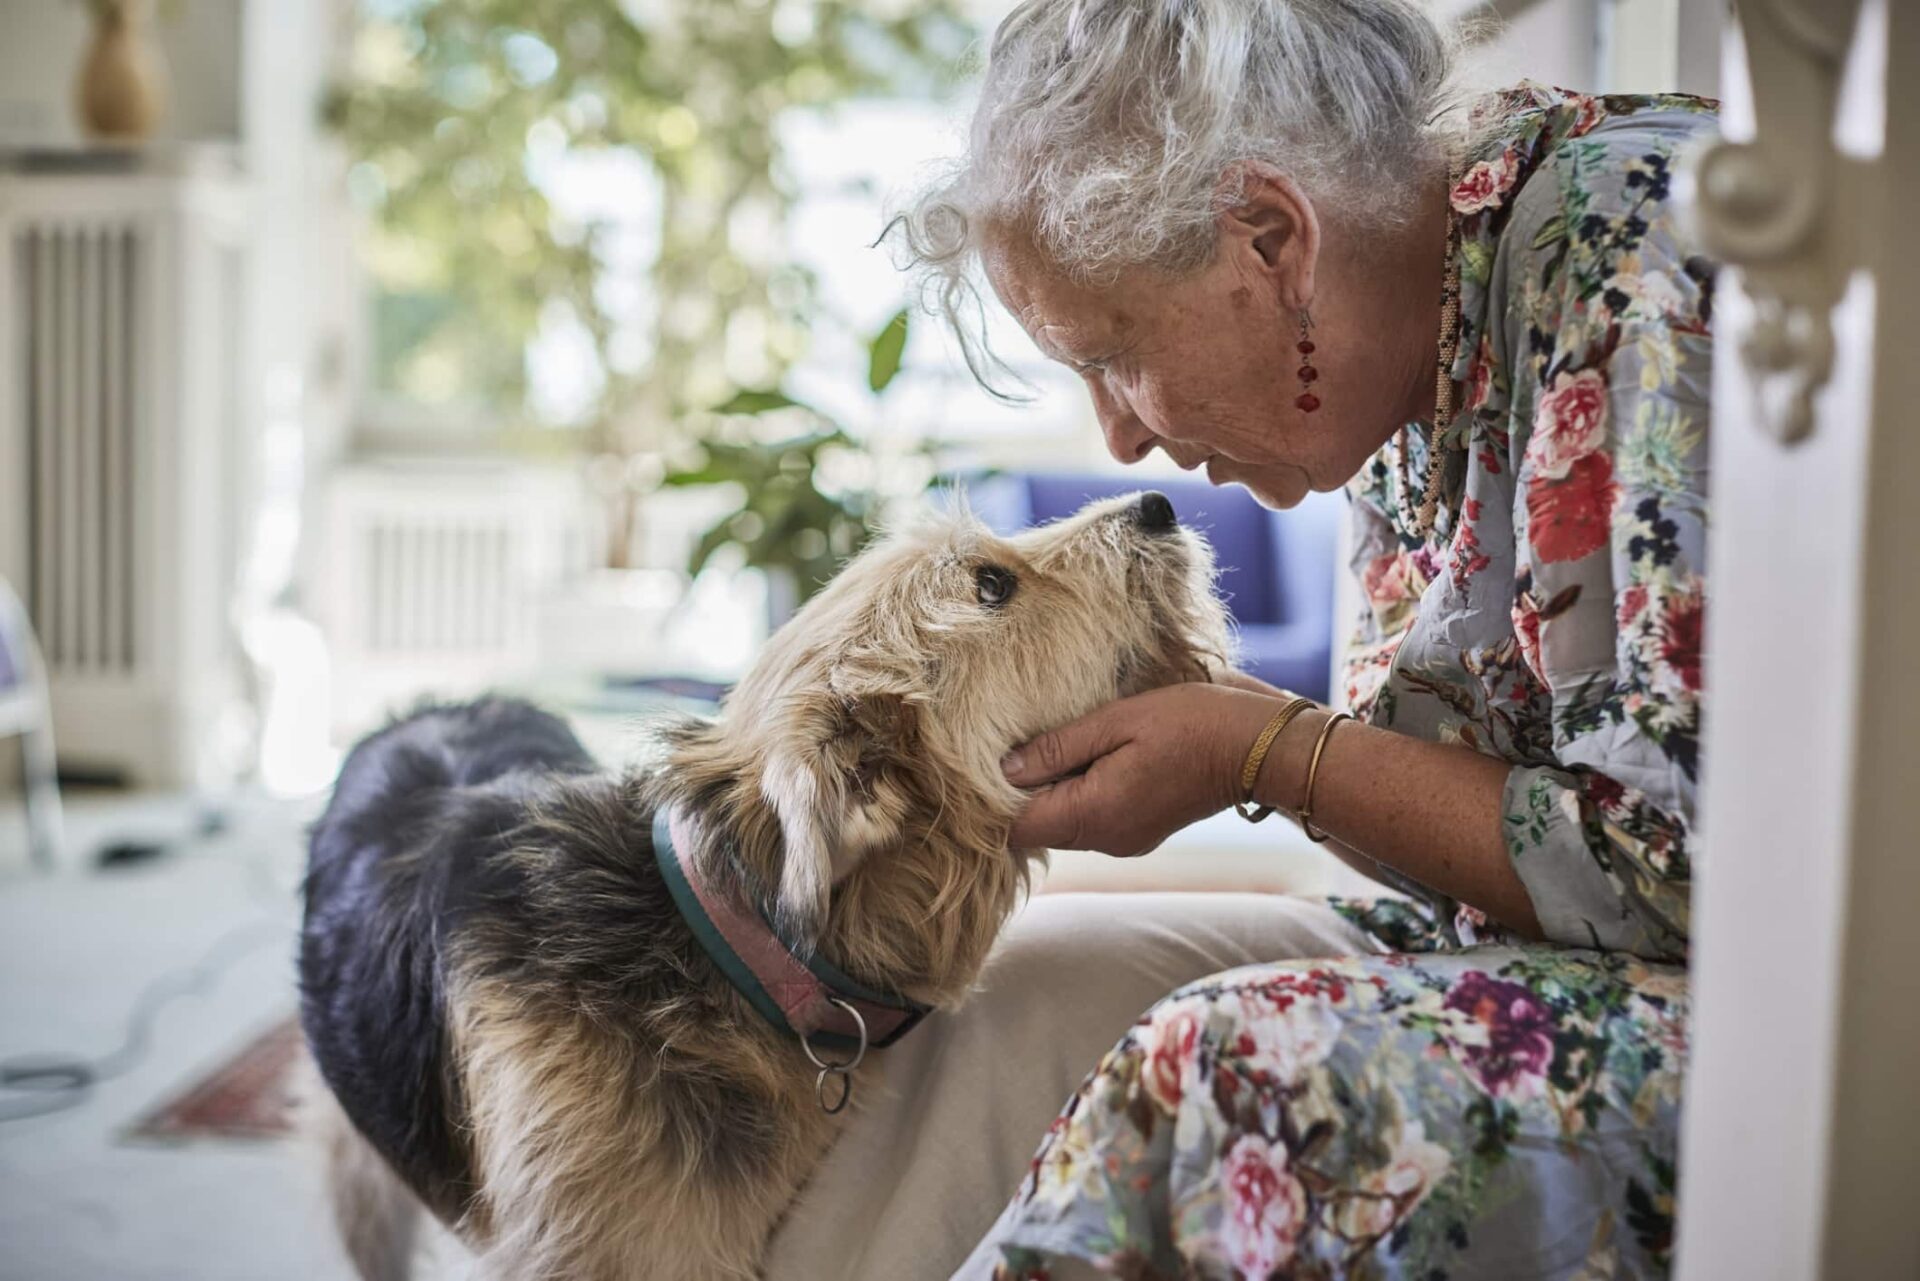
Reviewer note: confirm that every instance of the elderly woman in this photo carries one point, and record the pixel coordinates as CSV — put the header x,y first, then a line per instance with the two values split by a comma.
x,y
1269,244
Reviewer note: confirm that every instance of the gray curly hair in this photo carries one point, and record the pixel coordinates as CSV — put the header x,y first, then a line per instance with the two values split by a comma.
x,y
1114,131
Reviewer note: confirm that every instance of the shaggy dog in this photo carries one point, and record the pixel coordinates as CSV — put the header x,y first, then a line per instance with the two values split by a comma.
x,y
516,1019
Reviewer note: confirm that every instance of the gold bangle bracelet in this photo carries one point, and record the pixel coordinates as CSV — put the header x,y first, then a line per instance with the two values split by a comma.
x,y
1257,755
1305,815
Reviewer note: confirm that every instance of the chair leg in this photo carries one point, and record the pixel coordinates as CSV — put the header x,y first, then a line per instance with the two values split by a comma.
x,y
44,826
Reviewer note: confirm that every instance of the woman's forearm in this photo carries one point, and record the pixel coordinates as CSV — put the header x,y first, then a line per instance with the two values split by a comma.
x,y
1427,810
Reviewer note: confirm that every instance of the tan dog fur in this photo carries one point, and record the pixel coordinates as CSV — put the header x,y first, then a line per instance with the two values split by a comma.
x,y
855,777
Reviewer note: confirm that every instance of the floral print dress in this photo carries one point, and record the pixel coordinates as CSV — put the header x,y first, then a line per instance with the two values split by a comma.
x,y
1462,1105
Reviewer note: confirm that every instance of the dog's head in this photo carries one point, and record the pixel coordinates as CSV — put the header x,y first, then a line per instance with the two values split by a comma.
x,y
857,766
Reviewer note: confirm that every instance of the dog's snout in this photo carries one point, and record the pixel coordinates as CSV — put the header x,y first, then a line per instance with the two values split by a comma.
x,y
1154,513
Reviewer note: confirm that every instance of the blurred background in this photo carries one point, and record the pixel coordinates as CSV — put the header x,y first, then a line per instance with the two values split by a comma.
x,y
356,351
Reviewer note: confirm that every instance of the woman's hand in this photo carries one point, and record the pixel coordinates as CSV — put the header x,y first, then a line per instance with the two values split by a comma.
x,y
1124,777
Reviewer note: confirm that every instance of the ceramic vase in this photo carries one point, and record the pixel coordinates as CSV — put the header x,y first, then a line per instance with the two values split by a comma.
x,y
122,87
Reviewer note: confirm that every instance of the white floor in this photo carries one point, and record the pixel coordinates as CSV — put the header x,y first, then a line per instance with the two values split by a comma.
x,y
79,947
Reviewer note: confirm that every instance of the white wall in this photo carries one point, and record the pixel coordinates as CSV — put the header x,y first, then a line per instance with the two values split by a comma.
x,y
249,74
42,43
1602,46
306,299
1552,41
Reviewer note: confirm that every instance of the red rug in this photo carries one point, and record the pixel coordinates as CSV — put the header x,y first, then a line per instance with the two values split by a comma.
x,y
247,1097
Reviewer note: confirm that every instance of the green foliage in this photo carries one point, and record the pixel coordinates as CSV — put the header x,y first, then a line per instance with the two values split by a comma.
x,y
756,402
884,353
454,109
786,521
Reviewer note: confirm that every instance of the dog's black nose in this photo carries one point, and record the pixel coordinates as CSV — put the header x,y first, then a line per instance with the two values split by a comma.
x,y
1154,513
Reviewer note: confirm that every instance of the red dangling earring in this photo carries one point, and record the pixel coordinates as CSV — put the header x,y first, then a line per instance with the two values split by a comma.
x,y
1306,402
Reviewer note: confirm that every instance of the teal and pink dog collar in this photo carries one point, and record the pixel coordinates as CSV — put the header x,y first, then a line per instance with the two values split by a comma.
x,y
796,991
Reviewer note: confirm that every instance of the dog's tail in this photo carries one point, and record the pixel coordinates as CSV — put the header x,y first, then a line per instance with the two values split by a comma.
x,y
377,1217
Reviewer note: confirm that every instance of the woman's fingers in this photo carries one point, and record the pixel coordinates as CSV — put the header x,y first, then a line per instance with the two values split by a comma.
x,y
1060,770
1123,777
1066,750
1088,812
1054,817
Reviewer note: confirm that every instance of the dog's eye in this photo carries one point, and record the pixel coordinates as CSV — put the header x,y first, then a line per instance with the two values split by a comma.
x,y
994,585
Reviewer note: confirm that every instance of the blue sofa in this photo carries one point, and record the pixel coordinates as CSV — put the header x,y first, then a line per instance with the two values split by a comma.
x,y
1276,568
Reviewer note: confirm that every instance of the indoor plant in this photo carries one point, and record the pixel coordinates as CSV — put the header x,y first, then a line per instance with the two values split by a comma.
x,y
812,493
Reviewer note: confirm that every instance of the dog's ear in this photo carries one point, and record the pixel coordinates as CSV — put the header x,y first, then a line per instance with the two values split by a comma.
x,y
836,783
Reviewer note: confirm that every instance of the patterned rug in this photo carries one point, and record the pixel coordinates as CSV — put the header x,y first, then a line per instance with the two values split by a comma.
x,y
247,1097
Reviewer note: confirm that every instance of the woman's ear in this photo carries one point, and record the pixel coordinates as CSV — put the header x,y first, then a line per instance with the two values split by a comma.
x,y
1272,225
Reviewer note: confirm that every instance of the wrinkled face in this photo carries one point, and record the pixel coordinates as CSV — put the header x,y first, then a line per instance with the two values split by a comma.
x,y
1205,367
893,695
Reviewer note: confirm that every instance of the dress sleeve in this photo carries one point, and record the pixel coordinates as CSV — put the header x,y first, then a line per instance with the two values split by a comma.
x,y
1610,524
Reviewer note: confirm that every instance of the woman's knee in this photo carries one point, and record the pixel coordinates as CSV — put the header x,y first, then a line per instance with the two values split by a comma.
x,y
1149,944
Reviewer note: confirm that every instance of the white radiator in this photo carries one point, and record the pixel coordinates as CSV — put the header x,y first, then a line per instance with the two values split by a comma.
x,y
122,459
79,292
431,574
